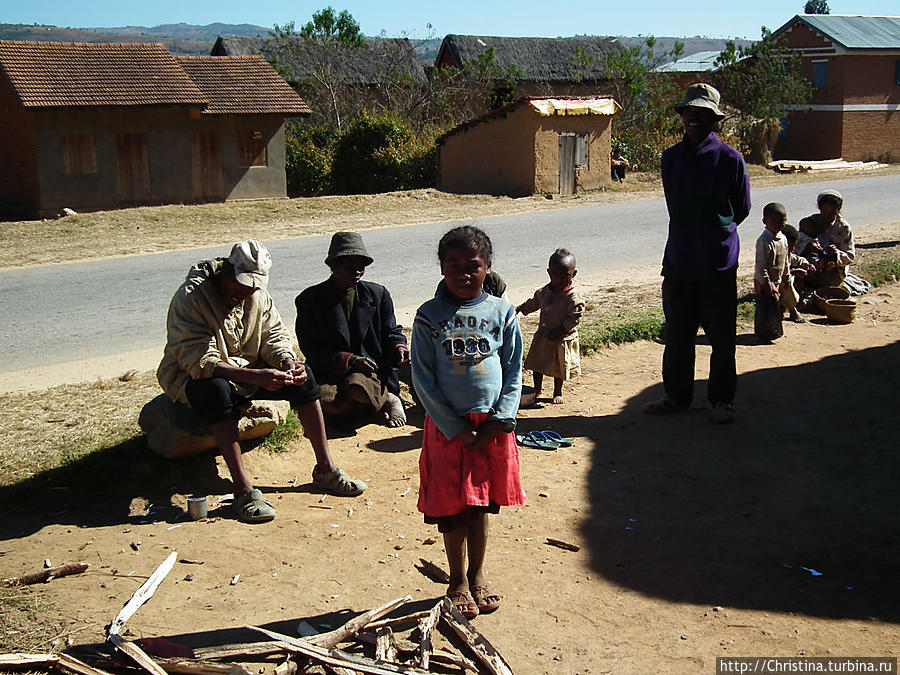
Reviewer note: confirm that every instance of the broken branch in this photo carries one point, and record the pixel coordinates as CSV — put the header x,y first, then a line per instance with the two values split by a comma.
x,y
479,645
48,574
563,544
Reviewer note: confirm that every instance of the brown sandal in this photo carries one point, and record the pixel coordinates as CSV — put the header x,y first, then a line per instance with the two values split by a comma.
x,y
462,601
486,599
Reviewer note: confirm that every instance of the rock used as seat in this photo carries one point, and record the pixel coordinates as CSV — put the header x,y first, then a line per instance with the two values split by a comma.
x,y
174,430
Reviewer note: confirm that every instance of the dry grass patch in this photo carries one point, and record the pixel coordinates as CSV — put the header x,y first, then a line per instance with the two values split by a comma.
x,y
58,426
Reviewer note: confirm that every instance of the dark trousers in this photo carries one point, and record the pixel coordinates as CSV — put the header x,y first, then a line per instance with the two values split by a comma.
x,y
216,399
689,305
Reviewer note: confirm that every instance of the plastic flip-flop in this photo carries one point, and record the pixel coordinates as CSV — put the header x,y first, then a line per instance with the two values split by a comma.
x,y
550,435
535,439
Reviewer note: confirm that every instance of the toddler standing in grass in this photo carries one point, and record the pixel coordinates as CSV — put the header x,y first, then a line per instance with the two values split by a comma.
x,y
554,349
467,370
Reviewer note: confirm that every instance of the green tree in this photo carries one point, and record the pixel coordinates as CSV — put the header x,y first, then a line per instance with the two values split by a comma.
x,y
324,46
816,7
646,125
330,28
762,82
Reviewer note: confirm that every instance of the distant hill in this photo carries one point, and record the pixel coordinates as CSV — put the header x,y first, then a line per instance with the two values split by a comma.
x,y
182,38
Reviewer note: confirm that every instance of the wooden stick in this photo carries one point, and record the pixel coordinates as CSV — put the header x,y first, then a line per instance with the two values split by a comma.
x,y
136,653
245,649
336,657
142,594
398,621
458,660
433,572
385,645
426,626
63,662
353,626
192,667
563,544
48,574
483,650
289,667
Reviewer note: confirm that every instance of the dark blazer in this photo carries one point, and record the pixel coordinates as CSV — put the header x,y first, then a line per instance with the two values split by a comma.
x,y
325,335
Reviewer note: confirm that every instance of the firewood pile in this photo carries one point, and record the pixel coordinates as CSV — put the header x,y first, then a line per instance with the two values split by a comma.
x,y
313,652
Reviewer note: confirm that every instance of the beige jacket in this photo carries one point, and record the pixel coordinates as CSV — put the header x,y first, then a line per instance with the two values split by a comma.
x,y
203,332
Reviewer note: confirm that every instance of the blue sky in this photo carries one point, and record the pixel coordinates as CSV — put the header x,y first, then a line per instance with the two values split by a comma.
x,y
663,18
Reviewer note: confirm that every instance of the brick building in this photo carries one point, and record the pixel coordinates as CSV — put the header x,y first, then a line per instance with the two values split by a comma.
x,y
854,63
98,126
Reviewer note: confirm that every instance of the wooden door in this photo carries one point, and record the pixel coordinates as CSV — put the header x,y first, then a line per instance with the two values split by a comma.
x,y
208,178
566,164
133,174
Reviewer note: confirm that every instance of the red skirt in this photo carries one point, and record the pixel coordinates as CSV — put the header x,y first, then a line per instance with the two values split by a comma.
x,y
454,476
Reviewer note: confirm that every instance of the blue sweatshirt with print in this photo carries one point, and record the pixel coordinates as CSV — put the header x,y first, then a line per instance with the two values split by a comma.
x,y
467,358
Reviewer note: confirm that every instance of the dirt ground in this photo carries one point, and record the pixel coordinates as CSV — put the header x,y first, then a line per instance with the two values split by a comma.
x,y
777,535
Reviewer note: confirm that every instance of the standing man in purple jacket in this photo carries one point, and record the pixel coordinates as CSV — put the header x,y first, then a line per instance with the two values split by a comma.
x,y
707,194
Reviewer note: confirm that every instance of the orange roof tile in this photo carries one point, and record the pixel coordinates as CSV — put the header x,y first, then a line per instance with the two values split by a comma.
x,y
242,85
64,74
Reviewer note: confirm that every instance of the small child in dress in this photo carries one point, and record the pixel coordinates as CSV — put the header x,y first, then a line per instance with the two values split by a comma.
x,y
554,349
771,276
467,370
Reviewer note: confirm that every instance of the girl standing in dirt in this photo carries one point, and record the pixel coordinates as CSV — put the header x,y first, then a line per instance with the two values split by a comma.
x,y
554,350
466,368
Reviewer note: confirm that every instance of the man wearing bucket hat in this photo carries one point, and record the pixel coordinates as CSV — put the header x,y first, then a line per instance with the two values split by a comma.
x,y
350,338
227,345
707,195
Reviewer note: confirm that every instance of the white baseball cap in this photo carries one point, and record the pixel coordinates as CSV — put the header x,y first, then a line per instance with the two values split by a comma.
x,y
251,262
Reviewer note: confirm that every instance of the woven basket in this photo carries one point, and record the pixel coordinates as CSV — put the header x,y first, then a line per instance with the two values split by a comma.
x,y
823,295
840,311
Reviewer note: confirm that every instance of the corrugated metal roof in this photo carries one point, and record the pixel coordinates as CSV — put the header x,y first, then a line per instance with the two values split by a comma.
x,y
853,32
692,63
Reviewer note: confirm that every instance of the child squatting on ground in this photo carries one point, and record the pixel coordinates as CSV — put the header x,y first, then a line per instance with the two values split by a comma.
x,y
467,371
554,349
772,277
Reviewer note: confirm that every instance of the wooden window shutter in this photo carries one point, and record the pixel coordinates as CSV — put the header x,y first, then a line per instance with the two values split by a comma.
x,y
79,154
582,143
252,149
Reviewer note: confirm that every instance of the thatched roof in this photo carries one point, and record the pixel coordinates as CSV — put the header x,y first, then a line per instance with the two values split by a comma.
x,y
376,62
543,60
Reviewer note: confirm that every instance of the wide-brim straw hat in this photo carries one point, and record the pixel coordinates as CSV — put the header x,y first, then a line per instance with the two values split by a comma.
x,y
702,95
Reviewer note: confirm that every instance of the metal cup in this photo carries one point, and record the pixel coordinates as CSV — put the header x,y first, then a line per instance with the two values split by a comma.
x,y
197,507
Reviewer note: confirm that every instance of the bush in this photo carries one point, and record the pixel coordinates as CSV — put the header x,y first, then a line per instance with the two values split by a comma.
x,y
380,153
308,157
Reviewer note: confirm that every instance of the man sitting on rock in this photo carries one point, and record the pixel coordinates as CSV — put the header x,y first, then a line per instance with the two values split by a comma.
x,y
350,338
228,345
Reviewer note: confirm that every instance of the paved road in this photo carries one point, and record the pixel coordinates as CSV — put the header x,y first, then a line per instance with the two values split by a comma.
x,y
63,313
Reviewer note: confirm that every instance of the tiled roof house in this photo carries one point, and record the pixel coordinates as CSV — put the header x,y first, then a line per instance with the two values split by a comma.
x,y
95,126
854,63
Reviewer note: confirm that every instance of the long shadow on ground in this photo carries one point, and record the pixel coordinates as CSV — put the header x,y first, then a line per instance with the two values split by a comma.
x,y
794,508
100,488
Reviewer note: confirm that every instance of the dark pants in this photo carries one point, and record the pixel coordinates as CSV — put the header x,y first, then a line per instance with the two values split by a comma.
x,y
618,173
689,305
216,399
